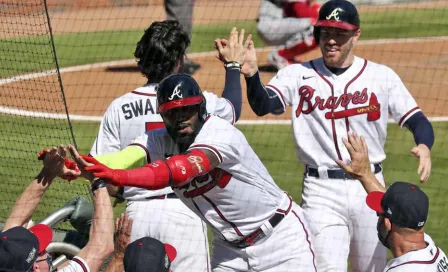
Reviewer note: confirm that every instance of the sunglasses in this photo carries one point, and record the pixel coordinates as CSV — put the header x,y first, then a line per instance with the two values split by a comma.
x,y
48,259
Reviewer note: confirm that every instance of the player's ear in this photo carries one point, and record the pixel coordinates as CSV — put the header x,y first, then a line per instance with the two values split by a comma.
x,y
356,35
387,224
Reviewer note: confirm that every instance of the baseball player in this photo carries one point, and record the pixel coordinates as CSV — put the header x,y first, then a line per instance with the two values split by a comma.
x,y
331,96
136,112
287,23
214,171
402,214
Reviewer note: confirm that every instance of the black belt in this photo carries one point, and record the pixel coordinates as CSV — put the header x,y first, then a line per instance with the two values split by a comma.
x,y
338,173
255,236
170,195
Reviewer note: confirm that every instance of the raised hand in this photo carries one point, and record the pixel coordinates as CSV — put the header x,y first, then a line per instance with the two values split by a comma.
x,y
92,169
233,49
56,163
81,163
250,66
123,228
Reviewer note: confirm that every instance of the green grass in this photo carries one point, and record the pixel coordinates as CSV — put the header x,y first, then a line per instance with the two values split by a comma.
x,y
273,144
404,23
34,53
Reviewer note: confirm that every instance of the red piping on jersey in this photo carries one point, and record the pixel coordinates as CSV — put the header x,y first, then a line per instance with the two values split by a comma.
x,y
281,95
233,111
335,136
222,216
406,115
148,158
84,268
289,208
418,262
346,88
205,219
307,239
198,146
145,94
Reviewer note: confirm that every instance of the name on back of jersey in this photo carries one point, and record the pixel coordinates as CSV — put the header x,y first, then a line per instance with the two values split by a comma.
x,y
442,265
138,108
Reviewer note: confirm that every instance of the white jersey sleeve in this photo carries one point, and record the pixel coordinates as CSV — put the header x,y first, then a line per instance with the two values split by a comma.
x,y
284,84
108,138
77,264
401,103
220,107
226,143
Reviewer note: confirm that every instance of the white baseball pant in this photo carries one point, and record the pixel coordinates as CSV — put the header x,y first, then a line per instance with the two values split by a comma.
x,y
345,226
287,248
170,221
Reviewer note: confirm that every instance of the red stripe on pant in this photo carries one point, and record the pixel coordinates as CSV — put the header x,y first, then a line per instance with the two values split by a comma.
x,y
307,239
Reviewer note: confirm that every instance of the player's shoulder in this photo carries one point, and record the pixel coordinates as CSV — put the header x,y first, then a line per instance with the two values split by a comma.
x,y
209,96
143,91
296,69
377,68
216,121
219,127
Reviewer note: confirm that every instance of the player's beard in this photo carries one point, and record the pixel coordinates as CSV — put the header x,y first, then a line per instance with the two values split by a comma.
x,y
344,52
184,140
383,234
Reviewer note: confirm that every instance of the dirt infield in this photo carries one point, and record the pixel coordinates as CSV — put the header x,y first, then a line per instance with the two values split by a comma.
x,y
422,64
89,92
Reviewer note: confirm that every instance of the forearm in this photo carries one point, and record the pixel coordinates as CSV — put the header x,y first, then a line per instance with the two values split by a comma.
x,y
422,129
262,100
26,204
233,91
101,242
371,183
176,171
116,264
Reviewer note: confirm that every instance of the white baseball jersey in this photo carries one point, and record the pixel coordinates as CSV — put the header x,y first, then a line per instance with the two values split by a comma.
x,y
77,264
135,113
326,106
429,259
235,198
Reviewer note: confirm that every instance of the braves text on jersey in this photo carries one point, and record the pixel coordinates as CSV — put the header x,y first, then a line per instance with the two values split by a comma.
x,y
327,106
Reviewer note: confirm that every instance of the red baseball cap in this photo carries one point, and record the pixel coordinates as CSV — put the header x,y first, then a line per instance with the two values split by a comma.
x,y
44,234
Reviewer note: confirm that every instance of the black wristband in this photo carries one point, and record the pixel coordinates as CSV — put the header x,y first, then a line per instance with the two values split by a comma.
x,y
97,183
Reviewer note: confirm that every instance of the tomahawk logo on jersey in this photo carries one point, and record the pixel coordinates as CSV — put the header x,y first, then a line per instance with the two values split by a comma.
x,y
326,106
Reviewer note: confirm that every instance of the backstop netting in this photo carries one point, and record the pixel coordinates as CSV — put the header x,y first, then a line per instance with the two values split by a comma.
x,y
94,43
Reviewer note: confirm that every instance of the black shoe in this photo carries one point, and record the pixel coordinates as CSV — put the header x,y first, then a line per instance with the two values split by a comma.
x,y
190,67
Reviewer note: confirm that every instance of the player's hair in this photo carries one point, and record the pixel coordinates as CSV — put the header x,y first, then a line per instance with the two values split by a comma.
x,y
161,48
